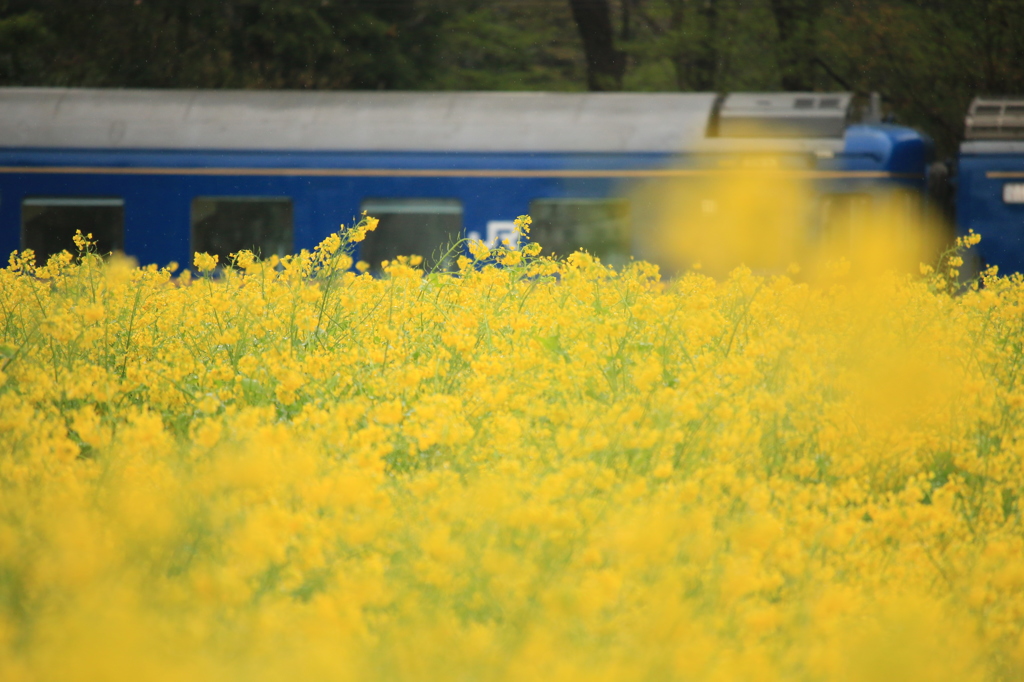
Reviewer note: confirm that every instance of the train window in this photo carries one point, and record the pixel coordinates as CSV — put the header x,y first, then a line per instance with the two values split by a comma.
x,y
412,227
48,224
598,226
226,225
841,214
1013,193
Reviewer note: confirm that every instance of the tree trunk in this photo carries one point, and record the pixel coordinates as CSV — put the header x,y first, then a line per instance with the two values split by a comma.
x,y
797,22
605,64
706,63
695,57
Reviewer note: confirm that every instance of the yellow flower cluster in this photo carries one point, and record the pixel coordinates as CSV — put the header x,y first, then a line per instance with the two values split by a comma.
x,y
549,470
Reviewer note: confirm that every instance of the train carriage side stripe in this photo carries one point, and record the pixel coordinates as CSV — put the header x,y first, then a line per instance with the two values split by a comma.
x,y
448,173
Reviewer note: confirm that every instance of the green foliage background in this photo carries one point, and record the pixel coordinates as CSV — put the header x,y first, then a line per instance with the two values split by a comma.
x,y
927,57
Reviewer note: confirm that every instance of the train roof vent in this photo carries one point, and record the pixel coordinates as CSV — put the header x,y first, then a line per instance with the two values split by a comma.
x,y
789,114
992,118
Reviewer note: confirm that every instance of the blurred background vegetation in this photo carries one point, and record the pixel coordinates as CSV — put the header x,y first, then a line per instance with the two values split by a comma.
x,y
928,58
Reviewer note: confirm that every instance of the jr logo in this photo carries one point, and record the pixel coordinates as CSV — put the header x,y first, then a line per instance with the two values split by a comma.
x,y
502,233
499,233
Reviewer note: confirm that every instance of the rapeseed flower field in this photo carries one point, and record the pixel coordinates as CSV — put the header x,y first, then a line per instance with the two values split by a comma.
x,y
529,468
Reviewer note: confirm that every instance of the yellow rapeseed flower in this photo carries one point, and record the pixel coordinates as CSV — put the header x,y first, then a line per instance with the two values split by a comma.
x,y
527,468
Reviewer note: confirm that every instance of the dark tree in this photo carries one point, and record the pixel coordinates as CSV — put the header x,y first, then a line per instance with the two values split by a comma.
x,y
705,62
696,55
797,23
24,44
509,45
606,65
683,32
929,59
220,43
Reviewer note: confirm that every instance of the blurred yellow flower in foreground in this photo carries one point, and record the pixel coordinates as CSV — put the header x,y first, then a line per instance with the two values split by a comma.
x,y
548,470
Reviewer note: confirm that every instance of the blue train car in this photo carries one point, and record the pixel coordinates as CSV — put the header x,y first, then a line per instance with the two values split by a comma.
x,y
163,174
990,182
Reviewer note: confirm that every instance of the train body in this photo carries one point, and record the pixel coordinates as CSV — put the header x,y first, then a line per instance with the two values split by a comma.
x,y
163,174
990,181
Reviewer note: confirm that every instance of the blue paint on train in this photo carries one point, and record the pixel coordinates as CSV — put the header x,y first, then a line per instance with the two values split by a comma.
x,y
887,147
985,205
328,188
157,206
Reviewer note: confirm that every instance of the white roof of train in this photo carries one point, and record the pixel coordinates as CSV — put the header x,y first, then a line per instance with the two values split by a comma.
x,y
352,121
76,118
